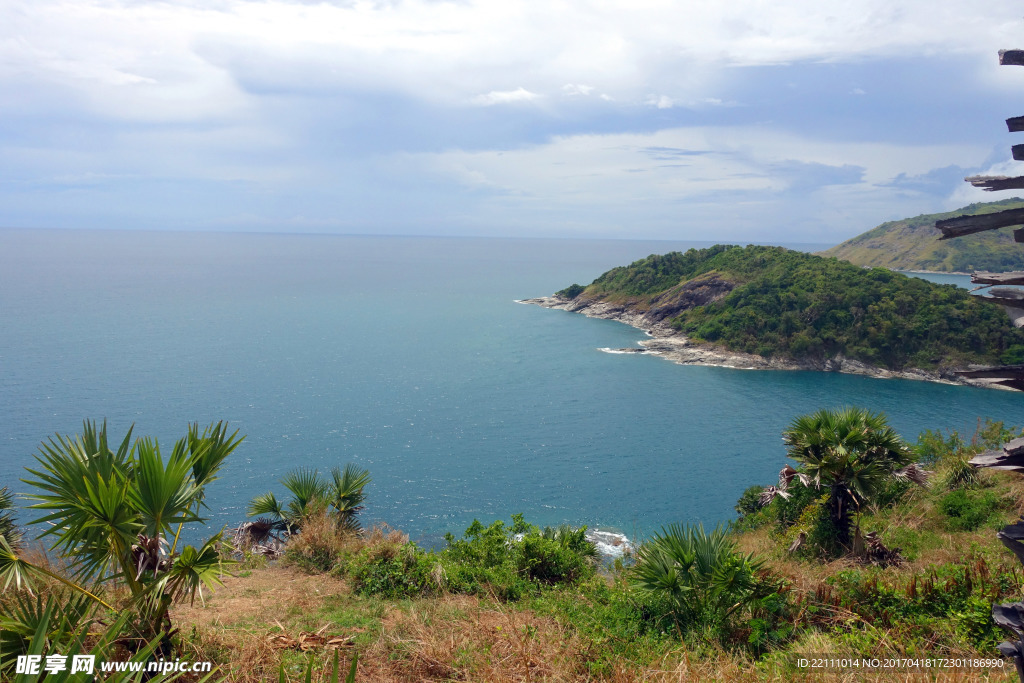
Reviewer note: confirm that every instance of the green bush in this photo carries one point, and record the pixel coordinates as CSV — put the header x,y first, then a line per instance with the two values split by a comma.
x,y
393,572
571,292
749,502
787,511
511,561
968,510
699,578
959,595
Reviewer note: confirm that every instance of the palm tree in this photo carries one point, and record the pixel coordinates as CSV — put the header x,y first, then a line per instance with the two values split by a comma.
x,y
345,494
341,497
850,452
113,512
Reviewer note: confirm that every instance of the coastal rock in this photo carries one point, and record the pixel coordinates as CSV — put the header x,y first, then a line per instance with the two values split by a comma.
x,y
670,344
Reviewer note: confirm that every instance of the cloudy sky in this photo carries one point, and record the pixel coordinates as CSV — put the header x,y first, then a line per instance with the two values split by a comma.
x,y
796,120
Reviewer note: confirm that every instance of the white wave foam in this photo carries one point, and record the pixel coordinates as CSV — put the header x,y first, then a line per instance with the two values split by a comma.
x,y
610,543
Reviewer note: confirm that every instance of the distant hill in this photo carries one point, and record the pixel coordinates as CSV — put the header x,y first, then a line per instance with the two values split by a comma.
x,y
912,244
777,303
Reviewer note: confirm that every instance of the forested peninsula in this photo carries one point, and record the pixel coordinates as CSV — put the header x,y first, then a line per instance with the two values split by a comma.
x,y
770,307
911,244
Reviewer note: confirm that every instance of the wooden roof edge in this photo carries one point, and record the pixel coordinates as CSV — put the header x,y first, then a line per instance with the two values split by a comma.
x,y
994,183
969,224
1010,278
1011,57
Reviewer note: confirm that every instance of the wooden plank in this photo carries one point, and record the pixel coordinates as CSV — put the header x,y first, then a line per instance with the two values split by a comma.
x,y
1018,152
1018,235
999,460
1015,124
967,225
1014,278
994,183
1011,57
1015,447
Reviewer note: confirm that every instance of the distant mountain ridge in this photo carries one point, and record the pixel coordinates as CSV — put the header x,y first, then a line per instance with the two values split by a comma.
x,y
912,244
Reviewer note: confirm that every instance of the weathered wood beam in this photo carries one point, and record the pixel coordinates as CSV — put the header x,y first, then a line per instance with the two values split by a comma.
x,y
1018,235
994,183
1011,57
1015,124
1018,152
967,225
1010,457
1014,278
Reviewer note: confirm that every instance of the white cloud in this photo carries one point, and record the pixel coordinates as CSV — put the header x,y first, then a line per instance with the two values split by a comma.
x,y
660,101
609,178
277,97
573,89
182,58
505,97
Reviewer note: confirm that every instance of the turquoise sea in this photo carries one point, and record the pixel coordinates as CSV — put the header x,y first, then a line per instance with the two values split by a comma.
x,y
410,357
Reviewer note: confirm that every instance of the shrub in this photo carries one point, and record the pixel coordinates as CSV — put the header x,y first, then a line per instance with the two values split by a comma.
x,y
749,502
571,292
968,510
511,561
394,571
320,545
553,556
699,578
821,538
958,473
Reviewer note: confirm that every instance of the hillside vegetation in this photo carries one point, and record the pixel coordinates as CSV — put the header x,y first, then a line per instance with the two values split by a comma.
x,y
786,304
916,578
912,244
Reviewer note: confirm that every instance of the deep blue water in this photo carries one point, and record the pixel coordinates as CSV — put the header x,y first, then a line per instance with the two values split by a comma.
x,y
409,357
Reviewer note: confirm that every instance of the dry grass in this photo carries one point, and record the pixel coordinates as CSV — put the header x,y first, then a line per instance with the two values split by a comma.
x,y
449,638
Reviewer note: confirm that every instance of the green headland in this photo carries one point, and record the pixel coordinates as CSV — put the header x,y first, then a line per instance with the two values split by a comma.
x,y
792,306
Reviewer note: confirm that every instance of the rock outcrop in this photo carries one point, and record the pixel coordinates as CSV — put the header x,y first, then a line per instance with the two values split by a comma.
x,y
654,318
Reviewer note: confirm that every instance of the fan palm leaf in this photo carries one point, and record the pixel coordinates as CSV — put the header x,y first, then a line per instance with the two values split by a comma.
x,y
851,452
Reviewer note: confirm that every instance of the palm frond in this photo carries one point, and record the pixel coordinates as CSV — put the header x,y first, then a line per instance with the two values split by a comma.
x,y
266,504
305,485
209,449
163,493
196,568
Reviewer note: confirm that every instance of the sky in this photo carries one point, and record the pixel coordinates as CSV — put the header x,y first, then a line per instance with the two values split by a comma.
x,y
786,121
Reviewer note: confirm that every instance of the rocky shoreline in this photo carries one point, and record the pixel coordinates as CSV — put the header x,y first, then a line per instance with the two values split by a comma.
x,y
669,344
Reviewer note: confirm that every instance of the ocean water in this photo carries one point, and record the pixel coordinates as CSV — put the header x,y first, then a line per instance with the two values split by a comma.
x,y
409,357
